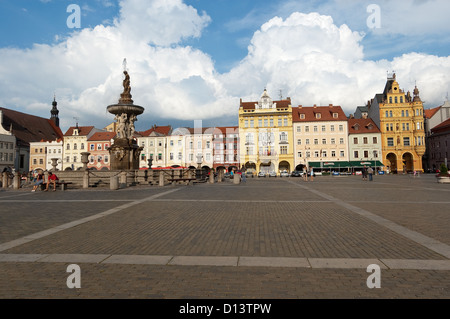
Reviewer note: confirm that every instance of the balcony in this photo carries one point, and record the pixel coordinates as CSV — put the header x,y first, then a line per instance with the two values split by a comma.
x,y
267,156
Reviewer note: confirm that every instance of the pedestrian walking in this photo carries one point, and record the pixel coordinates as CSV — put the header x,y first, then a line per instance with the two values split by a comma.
x,y
311,174
305,174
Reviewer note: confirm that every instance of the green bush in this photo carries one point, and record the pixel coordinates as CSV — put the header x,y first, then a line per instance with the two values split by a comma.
x,y
443,171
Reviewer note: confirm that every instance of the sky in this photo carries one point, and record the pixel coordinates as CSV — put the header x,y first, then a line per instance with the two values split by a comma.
x,y
195,59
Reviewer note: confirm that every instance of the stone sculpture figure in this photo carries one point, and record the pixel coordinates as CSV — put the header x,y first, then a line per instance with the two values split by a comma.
x,y
122,125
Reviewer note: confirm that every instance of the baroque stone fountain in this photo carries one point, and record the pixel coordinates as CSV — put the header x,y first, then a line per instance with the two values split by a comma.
x,y
124,152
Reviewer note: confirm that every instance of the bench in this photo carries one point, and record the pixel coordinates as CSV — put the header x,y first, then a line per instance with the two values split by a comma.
x,y
187,180
63,184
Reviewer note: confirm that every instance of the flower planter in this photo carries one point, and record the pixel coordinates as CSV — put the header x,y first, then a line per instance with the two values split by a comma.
x,y
443,179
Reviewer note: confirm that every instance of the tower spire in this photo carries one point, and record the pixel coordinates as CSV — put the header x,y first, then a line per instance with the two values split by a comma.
x,y
54,111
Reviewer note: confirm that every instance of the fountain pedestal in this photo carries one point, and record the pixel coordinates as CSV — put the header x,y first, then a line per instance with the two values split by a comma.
x,y
124,152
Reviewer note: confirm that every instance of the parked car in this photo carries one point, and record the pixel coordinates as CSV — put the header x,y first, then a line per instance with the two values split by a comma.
x,y
272,174
284,174
248,174
261,174
296,174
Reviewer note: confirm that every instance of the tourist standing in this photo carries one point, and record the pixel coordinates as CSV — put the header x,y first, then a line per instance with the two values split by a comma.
x,y
370,171
364,173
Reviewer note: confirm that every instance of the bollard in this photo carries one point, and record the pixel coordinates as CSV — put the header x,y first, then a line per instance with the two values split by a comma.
x,y
211,177
161,178
86,179
220,176
5,180
114,182
123,179
16,181
236,179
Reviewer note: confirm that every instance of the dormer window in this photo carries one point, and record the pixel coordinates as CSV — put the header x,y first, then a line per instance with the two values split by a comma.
x,y
335,115
302,116
356,127
318,115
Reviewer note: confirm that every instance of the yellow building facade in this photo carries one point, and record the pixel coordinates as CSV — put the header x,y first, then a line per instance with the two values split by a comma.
x,y
266,136
401,122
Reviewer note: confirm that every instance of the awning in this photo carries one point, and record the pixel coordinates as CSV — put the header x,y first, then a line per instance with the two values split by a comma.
x,y
366,163
329,164
343,164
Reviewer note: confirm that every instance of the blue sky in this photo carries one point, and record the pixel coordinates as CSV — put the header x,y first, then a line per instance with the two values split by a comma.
x,y
198,57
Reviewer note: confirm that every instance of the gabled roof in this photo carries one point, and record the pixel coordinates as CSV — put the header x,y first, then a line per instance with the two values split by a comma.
x,y
310,113
361,126
29,128
158,130
82,130
442,127
430,112
102,136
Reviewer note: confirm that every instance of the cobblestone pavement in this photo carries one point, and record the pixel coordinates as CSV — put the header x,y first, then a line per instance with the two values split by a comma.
x,y
275,238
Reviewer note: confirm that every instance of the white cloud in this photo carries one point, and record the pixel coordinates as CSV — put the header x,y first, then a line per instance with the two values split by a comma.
x,y
314,61
308,56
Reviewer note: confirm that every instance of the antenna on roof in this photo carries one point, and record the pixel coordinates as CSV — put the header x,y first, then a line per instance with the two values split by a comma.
x,y
281,94
76,119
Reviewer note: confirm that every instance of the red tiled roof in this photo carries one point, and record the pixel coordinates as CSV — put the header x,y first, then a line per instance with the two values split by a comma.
x,y
102,136
360,126
29,128
252,105
442,127
165,130
82,130
310,112
430,112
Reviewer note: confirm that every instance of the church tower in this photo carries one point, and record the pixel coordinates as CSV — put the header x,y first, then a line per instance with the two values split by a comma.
x,y
54,112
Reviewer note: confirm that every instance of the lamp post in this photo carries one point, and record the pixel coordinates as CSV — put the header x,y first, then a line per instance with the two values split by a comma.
x,y
199,166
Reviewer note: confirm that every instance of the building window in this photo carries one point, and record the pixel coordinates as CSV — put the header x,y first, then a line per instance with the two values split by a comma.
x,y
299,142
171,156
315,128
307,141
68,146
99,159
260,122
335,115
332,128
333,153
318,115
75,147
375,154
406,141
342,153
316,141
208,144
316,153
246,123
180,156
265,123
374,140
299,129
82,146
302,116
341,128
324,141
355,140
106,159
323,128
285,122
365,140
341,140
271,122
280,121
324,153
159,156
356,154
307,129
299,154
390,141
74,159
333,141
99,147
91,147
91,159
283,150
366,154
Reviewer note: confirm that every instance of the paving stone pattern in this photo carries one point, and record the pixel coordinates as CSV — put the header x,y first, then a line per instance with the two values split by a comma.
x,y
292,240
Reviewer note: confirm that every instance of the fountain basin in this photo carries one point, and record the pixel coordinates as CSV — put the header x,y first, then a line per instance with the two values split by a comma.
x,y
118,109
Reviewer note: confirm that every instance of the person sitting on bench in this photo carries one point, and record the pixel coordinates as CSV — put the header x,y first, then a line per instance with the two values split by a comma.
x,y
39,180
52,179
